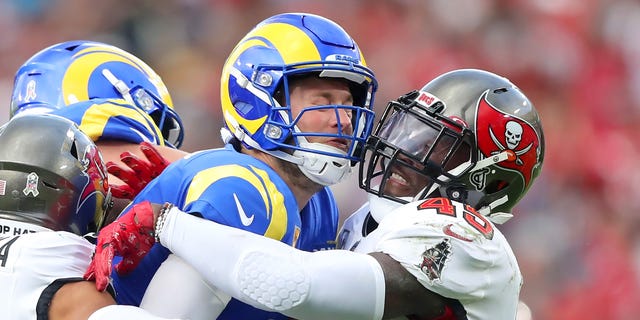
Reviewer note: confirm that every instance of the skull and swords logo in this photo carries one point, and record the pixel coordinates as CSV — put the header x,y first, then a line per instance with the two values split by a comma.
x,y
498,131
513,136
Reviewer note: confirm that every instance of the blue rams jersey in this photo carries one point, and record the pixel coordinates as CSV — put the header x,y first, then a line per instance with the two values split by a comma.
x,y
240,191
319,222
112,119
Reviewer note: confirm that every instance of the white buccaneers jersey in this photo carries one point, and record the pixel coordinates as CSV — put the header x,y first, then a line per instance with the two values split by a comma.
x,y
454,251
33,266
354,228
363,221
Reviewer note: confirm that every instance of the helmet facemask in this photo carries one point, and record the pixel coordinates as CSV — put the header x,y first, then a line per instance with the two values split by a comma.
x,y
167,120
414,150
321,163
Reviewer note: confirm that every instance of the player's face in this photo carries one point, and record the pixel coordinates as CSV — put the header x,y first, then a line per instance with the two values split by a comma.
x,y
313,91
407,181
404,181
419,140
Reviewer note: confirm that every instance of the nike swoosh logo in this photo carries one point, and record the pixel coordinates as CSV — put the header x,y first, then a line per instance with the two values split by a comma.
x,y
246,220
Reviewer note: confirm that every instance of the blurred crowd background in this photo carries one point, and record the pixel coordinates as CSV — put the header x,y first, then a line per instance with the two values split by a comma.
x,y
575,234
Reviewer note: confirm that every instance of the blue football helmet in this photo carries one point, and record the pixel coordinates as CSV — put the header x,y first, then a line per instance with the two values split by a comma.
x,y
52,175
257,74
75,71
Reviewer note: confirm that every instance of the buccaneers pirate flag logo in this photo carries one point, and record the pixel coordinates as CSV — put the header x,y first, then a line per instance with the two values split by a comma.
x,y
497,131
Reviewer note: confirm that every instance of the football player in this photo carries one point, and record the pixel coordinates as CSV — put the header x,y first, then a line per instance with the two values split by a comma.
x,y
458,153
115,98
53,193
296,99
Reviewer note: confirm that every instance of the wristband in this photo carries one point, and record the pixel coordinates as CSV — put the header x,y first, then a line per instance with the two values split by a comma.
x,y
162,217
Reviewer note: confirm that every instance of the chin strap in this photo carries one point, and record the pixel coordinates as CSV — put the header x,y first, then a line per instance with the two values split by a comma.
x,y
380,207
496,217
502,156
120,86
320,168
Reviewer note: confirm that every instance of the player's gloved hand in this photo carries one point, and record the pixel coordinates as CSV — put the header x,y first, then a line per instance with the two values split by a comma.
x,y
139,173
131,236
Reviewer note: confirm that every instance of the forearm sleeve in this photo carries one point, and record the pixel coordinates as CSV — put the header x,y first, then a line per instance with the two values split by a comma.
x,y
195,298
271,275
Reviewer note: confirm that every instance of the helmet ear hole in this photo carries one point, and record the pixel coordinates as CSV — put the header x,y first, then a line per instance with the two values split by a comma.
x,y
72,47
165,127
359,93
74,150
49,184
496,186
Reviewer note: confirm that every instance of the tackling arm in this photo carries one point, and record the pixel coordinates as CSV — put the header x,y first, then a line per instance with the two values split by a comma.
x,y
95,305
271,275
64,304
197,299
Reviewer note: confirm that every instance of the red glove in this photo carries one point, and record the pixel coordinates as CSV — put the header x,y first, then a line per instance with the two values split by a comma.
x,y
130,236
141,172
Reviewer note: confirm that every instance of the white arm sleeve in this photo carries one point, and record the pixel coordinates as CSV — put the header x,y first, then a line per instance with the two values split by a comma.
x,y
271,275
185,296
123,312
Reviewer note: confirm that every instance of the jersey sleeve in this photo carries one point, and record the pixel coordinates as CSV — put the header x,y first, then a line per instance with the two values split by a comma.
x,y
453,252
244,197
221,185
319,222
113,119
31,263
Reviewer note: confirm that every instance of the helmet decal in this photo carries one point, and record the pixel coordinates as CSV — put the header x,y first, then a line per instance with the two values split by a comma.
x,y
478,178
30,93
88,62
228,109
498,131
32,185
